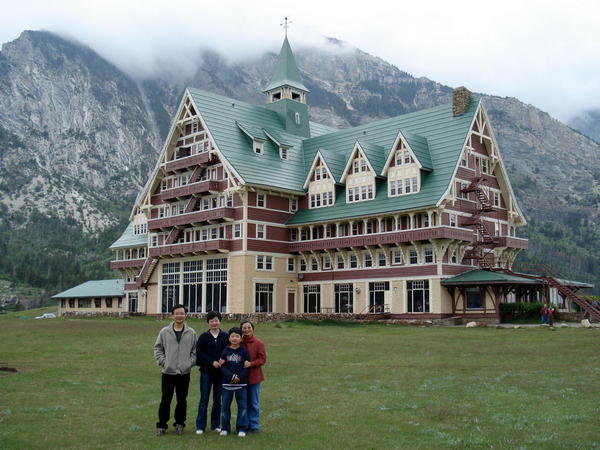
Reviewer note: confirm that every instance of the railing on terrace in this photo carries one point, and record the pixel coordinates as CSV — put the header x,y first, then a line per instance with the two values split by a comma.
x,y
190,247
187,161
192,188
126,263
388,237
192,217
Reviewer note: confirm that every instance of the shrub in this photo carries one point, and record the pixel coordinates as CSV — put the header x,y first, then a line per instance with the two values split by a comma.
x,y
515,311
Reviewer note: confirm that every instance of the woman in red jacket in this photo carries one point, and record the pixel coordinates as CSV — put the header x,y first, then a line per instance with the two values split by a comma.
x,y
258,357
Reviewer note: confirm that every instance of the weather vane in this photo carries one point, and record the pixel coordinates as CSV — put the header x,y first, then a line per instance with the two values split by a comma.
x,y
285,24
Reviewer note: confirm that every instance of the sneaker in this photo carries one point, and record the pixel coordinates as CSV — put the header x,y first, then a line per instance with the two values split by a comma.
x,y
179,429
199,431
218,430
222,433
160,431
241,434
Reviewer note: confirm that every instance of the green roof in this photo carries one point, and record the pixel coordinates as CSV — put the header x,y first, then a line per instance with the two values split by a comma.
x,y
420,147
488,277
286,72
375,154
128,239
96,288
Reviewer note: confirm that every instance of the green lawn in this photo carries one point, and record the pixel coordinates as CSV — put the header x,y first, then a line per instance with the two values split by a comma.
x,y
93,383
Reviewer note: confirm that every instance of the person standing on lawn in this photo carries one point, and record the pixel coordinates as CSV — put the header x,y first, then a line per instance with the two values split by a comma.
x,y
233,362
208,352
258,357
175,353
544,313
550,312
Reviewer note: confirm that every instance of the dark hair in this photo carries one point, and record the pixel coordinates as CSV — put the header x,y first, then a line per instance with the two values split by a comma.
x,y
247,321
212,314
236,330
177,306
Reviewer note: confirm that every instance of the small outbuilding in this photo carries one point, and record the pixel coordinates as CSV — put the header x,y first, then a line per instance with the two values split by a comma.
x,y
97,296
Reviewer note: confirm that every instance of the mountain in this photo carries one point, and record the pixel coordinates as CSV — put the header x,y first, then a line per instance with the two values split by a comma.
x,y
78,138
588,123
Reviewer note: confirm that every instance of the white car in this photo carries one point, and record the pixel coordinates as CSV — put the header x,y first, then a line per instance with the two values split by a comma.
x,y
47,316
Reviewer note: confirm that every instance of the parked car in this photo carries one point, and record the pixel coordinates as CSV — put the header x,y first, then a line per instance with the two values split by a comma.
x,y
47,316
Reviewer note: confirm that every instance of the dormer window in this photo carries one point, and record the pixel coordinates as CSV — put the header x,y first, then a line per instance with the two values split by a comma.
x,y
359,165
403,157
194,127
277,96
283,152
403,186
295,96
320,173
259,147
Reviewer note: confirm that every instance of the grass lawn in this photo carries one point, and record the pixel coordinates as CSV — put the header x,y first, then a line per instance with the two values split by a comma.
x,y
93,383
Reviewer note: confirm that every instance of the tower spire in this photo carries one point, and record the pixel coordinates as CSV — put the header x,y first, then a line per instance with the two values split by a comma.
x,y
285,24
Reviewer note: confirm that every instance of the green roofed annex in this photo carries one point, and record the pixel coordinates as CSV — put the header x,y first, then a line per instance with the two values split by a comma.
x,y
256,209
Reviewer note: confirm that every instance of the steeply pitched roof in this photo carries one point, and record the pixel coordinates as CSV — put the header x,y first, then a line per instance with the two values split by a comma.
x,y
420,147
95,288
286,72
445,135
128,239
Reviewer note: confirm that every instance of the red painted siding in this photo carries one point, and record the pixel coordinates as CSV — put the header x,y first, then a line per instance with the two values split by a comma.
x,y
259,245
392,272
267,215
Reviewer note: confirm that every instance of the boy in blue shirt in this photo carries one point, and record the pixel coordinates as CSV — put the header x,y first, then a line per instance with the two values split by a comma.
x,y
234,383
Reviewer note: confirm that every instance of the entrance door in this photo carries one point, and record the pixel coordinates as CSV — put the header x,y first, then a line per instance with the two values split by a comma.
x,y
377,296
291,302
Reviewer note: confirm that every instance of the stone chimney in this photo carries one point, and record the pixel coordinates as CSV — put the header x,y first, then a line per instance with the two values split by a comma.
x,y
461,97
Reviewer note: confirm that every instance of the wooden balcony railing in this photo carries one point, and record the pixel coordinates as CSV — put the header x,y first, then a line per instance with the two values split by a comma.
x,y
188,161
127,263
191,218
193,188
512,242
391,237
190,248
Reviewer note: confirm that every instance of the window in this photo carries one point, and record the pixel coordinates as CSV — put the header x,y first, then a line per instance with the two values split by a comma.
x,y
192,285
403,157
120,303
359,165
484,165
97,302
425,220
297,116
354,228
260,231
328,231
497,199
260,200
264,262
396,188
411,185
259,147
283,152
163,185
341,231
344,298
370,228
263,297
291,265
326,262
314,264
453,220
84,303
368,260
216,285
429,255
302,264
475,298
340,262
497,228
381,260
312,299
71,303
154,240
170,285
194,127
418,296
413,257
294,234
229,200
397,256
237,230
353,261
304,234
453,258
294,204
464,160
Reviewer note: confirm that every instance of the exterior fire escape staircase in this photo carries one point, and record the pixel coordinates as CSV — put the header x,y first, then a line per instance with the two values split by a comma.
x,y
550,278
485,242
146,272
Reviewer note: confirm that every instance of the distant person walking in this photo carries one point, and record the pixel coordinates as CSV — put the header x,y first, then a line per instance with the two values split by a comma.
x,y
175,353
550,312
258,357
209,348
544,313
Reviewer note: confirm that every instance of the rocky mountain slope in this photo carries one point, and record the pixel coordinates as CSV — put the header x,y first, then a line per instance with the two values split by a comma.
x,y
588,123
78,138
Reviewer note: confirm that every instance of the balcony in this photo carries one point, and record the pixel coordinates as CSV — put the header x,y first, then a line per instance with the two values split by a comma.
x,y
191,189
187,161
392,237
127,263
512,242
192,218
190,248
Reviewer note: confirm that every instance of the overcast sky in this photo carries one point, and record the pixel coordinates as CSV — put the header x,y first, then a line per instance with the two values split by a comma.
x,y
546,53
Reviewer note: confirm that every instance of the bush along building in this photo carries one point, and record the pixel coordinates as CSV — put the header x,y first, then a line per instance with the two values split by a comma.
x,y
255,209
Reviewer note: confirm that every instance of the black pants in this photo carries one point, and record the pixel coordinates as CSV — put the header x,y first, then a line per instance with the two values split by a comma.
x,y
180,385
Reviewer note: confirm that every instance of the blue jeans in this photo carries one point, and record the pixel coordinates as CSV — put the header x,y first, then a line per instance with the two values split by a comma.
x,y
254,406
208,381
242,418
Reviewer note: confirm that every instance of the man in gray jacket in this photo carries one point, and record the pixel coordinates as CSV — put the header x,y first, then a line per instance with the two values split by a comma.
x,y
175,353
